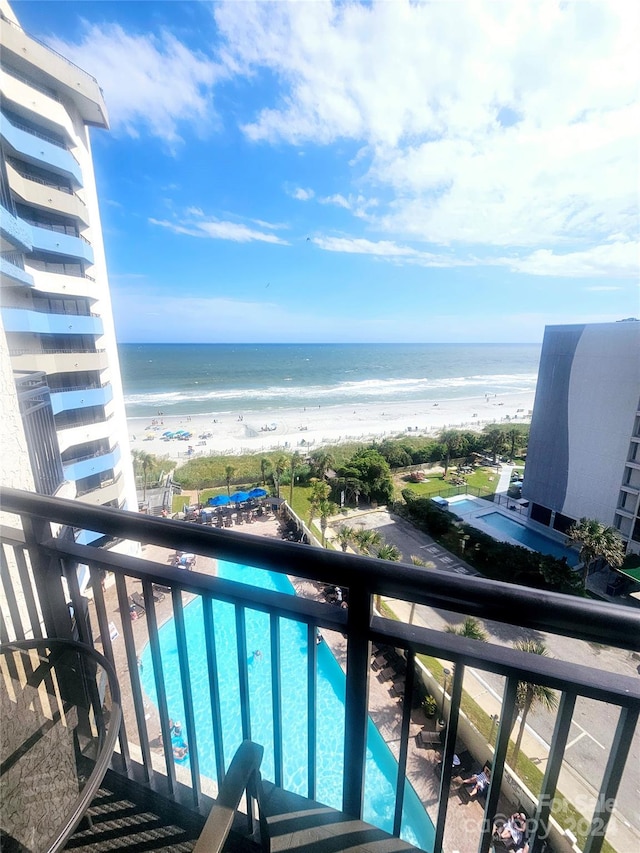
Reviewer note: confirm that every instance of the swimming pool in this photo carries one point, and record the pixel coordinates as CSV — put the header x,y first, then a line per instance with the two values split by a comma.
x,y
381,767
465,505
531,538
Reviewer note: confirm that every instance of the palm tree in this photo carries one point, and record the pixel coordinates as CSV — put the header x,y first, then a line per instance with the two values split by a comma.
x,y
597,541
495,441
146,462
528,695
326,509
389,552
514,435
366,540
229,471
322,460
319,492
279,467
345,536
265,464
452,441
470,628
293,462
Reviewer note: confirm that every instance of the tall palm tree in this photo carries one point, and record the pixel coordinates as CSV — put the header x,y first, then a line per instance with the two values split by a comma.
x,y
495,441
452,441
470,628
322,460
265,464
514,436
229,471
596,541
293,463
528,695
326,509
279,467
319,492
345,536
145,462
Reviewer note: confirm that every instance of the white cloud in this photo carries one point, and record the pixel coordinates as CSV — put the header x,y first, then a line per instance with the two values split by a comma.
x,y
608,260
388,250
303,195
151,83
483,124
219,230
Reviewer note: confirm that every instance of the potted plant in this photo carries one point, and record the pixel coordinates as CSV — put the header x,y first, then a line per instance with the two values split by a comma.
x,y
429,706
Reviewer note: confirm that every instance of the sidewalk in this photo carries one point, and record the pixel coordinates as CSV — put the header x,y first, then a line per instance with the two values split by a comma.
x,y
573,787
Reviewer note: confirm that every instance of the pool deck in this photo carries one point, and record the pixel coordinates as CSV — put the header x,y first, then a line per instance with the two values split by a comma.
x,y
463,819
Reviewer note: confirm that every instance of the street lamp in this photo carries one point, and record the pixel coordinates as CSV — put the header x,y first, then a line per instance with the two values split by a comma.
x,y
446,673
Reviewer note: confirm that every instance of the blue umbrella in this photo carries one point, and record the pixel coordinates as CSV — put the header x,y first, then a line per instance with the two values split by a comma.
x,y
240,497
258,493
219,500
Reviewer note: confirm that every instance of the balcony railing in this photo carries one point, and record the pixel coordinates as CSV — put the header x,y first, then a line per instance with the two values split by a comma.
x,y
41,560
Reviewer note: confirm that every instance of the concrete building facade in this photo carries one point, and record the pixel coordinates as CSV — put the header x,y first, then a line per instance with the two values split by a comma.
x,y
57,333
584,448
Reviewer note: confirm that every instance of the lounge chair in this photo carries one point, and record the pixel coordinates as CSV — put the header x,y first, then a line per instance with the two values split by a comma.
x,y
138,600
397,689
379,662
386,674
428,739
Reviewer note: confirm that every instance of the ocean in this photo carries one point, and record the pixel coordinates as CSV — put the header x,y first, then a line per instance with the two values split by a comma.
x,y
210,379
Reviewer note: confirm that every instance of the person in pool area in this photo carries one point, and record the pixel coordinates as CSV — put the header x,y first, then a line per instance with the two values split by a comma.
x,y
180,752
480,781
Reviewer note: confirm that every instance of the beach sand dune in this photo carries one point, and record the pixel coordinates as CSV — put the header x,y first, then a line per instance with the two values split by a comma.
x,y
304,429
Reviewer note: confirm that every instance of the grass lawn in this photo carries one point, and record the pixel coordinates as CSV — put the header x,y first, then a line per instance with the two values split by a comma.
x,y
484,479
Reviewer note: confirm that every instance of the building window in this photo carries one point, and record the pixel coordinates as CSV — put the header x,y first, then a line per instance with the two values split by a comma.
x,y
541,514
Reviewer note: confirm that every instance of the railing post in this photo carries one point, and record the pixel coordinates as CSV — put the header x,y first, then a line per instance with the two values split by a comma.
x,y
356,699
47,576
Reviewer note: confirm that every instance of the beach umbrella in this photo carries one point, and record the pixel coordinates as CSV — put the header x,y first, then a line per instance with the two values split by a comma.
x,y
258,493
219,500
240,497
167,433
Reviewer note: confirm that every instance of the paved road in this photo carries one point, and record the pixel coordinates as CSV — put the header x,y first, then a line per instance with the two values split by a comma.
x,y
594,722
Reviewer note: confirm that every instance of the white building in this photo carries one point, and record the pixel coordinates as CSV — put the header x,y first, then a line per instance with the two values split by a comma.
x,y
57,335
584,448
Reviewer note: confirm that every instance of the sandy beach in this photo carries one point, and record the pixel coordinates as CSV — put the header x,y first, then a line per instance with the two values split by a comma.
x,y
307,428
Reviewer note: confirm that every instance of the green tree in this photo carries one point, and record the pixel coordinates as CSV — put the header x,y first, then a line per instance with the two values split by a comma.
x,y
293,463
596,541
326,509
494,441
265,465
528,695
345,536
145,463
515,436
389,552
321,461
367,540
279,467
373,474
229,471
470,628
451,440
319,492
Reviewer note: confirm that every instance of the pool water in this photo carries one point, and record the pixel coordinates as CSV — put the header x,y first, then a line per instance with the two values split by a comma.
x,y
531,538
381,767
465,505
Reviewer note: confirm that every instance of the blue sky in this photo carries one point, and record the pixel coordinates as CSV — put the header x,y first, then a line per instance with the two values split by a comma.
x,y
453,171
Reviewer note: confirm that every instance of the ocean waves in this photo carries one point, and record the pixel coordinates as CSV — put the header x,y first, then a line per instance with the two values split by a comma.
x,y
199,397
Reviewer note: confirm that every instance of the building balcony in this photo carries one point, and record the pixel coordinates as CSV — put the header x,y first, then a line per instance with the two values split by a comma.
x,y
14,231
228,692
12,269
43,323
53,281
64,401
88,466
48,240
107,491
60,361
39,149
31,58
44,195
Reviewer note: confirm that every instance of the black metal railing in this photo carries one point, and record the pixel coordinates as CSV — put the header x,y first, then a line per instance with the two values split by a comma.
x,y
51,558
